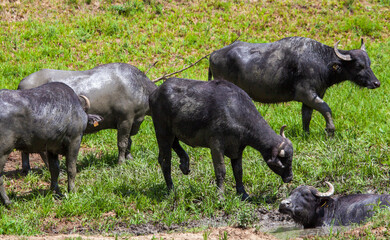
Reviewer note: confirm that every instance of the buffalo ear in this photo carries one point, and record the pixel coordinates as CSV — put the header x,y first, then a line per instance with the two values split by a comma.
x,y
335,67
274,161
94,119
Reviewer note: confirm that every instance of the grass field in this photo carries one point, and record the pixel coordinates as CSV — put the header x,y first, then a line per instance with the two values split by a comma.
x,y
81,34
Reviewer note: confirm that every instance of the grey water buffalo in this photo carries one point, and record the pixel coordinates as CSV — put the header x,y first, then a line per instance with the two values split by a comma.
x,y
311,208
48,118
118,92
220,116
292,69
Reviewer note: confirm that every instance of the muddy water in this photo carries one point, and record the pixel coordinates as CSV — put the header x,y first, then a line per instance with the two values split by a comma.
x,y
290,232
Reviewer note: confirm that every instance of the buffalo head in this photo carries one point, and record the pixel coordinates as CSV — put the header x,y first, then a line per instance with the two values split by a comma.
x,y
303,203
356,66
281,158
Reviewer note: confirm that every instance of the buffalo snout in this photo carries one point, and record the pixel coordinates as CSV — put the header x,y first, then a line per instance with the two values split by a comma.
x,y
374,84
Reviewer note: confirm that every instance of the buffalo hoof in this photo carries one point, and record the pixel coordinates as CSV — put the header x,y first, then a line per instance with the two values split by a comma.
x,y
330,132
25,172
121,161
7,203
245,197
185,168
129,157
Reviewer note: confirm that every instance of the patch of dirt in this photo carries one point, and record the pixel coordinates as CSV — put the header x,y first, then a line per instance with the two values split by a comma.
x,y
211,233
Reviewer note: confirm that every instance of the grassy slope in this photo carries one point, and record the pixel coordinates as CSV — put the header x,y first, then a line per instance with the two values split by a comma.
x,y
78,35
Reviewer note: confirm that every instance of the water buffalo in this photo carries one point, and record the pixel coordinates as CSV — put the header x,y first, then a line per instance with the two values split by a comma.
x,y
48,118
292,69
311,208
118,92
220,116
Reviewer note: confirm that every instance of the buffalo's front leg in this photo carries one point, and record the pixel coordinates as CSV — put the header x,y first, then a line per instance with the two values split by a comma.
x,y
184,159
315,102
237,171
123,138
4,197
306,117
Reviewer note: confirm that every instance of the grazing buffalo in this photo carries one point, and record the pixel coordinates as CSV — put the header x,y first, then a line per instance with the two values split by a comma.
x,y
292,69
311,208
48,118
118,92
220,116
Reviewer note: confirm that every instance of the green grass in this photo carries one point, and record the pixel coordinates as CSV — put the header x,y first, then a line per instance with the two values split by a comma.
x,y
79,35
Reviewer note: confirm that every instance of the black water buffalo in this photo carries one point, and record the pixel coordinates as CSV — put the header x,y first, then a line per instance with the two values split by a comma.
x,y
220,116
292,69
118,92
311,208
48,118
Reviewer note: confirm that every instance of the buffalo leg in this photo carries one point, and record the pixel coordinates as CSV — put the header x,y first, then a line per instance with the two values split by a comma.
x,y
44,158
134,130
128,148
123,137
54,168
71,161
306,117
25,163
3,194
315,102
165,140
237,171
184,159
219,168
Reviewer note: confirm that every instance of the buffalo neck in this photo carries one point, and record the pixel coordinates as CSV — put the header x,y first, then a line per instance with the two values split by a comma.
x,y
262,138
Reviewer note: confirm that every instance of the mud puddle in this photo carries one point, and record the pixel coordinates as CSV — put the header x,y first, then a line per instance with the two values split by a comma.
x,y
295,231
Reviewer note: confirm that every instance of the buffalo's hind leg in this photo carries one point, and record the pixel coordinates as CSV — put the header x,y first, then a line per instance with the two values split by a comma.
x,y
25,163
164,159
165,139
184,159
134,130
54,168
219,167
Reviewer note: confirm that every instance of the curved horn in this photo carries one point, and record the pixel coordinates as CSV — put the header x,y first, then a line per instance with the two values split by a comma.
x,y
362,46
87,102
345,57
282,131
326,194
281,152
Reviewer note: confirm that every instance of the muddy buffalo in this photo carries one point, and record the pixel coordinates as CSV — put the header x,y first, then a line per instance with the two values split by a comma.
x,y
311,208
292,69
49,118
220,116
118,92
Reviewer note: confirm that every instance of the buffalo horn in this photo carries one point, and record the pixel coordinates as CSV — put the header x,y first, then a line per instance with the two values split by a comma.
x,y
87,102
281,151
282,131
328,193
362,46
345,57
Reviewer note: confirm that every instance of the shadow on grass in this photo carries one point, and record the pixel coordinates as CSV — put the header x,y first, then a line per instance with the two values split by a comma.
x,y
31,195
97,160
18,174
156,192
